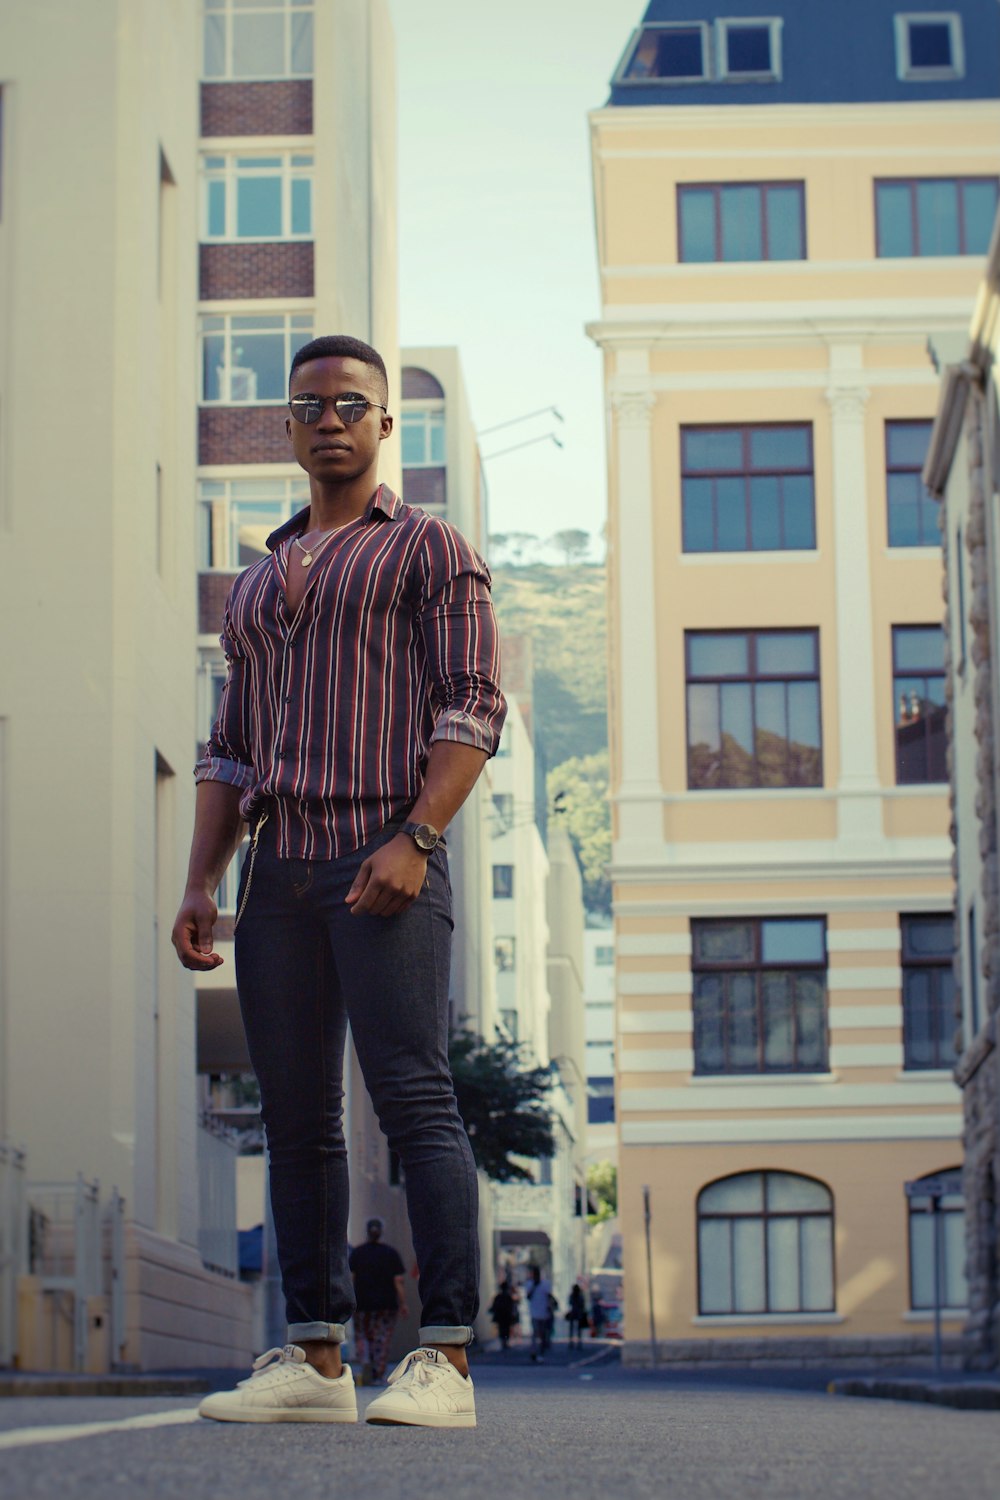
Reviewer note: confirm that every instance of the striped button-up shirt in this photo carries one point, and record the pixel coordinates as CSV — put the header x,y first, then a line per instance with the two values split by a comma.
x,y
329,713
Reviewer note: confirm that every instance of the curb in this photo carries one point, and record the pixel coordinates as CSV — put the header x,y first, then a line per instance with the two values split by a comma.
x,y
103,1385
967,1395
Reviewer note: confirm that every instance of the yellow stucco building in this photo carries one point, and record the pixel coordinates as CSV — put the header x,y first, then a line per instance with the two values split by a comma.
x,y
775,253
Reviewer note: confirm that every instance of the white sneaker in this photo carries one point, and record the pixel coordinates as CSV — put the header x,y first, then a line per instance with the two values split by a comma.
x,y
284,1387
425,1390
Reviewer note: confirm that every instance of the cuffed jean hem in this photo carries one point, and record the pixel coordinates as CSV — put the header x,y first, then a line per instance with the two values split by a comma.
x,y
442,1333
327,1333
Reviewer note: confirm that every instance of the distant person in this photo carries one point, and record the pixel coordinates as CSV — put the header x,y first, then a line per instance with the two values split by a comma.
x,y
380,1289
539,1292
503,1311
597,1314
576,1315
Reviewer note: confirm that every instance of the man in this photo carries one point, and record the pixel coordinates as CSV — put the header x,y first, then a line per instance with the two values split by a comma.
x,y
539,1306
380,1297
360,706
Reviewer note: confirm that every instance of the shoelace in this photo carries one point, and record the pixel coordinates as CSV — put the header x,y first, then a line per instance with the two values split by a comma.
x,y
423,1363
265,1361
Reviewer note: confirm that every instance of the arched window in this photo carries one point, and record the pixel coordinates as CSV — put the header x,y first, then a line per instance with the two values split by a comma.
x,y
420,385
765,1245
942,1229
422,428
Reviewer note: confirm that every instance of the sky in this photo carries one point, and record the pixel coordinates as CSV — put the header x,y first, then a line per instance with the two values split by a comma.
x,y
496,231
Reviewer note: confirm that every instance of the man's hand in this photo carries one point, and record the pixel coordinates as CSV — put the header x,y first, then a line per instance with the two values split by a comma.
x,y
192,934
390,880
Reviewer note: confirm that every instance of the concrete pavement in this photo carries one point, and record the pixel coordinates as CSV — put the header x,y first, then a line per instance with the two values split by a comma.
x,y
598,1433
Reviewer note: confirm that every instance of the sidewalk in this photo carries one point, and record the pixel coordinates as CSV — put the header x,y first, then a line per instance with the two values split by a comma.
x,y
968,1390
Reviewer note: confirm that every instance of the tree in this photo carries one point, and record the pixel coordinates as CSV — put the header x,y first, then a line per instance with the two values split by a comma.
x,y
602,1190
518,543
502,1103
573,544
578,795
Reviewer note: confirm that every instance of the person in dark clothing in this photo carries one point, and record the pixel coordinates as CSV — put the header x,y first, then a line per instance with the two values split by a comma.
x,y
576,1315
380,1290
503,1311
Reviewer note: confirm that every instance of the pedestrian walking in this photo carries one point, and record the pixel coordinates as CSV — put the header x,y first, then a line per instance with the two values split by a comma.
x,y
539,1293
360,706
596,1314
380,1299
503,1311
576,1315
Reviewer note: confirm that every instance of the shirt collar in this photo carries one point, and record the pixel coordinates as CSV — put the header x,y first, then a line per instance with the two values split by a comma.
x,y
384,501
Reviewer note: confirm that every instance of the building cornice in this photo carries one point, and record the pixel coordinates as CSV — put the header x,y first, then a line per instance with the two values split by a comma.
x,y
676,324
730,120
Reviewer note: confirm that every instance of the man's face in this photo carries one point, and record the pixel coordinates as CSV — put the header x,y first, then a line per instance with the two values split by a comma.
x,y
331,449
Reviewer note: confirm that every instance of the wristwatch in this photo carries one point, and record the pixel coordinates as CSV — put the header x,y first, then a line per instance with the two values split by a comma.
x,y
423,835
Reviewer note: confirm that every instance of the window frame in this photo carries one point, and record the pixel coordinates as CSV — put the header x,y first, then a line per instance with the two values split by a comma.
x,y
230,175
753,636
228,11
764,1217
889,425
746,473
218,510
910,960
913,1212
668,80
898,674
913,183
757,967
724,24
294,338
906,71
433,417
763,186
508,881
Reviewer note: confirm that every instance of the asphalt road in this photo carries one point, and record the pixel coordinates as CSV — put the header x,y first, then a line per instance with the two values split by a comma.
x,y
599,1434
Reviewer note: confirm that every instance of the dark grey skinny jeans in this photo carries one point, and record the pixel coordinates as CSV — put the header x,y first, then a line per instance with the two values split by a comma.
x,y
305,967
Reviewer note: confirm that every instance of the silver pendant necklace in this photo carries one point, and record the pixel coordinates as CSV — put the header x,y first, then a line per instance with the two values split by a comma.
x,y
308,553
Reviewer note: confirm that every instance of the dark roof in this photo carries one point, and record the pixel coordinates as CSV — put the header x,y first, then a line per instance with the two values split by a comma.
x,y
832,51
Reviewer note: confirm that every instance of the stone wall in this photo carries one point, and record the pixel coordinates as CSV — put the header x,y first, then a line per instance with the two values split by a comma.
x,y
808,1352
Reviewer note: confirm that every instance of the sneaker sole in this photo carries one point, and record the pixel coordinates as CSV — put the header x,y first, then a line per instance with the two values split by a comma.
x,y
279,1416
425,1419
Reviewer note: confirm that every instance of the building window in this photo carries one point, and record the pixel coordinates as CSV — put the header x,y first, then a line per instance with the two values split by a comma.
x,y
760,996
940,1232
929,46
508,1020
747,489
973,947
245,357
928,992
671,53
913,514
236,516
741,221
934,215
266,197
765,1245
503,808
504,954
600,1101
753,709
211,680
258,39
918,680
423,438
503,882
749,50
604,956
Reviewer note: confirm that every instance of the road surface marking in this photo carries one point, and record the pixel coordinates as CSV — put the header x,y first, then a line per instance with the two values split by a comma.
x,y
24,1437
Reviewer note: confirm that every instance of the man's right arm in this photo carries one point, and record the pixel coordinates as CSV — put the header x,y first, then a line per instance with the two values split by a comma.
x,y
218,829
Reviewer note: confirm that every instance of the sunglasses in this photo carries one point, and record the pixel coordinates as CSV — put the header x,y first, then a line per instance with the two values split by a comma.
x,y
350,407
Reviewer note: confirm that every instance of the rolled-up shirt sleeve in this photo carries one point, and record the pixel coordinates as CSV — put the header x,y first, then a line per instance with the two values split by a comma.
x,y
227,755
461,641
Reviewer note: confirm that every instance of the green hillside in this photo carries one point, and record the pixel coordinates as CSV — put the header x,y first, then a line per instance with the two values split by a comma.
x,y
562,610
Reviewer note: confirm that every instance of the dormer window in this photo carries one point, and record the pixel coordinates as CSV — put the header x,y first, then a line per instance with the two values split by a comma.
x,y
749,49
670,53
929,46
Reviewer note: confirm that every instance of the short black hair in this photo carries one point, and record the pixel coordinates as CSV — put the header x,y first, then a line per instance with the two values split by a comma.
x,y
341,346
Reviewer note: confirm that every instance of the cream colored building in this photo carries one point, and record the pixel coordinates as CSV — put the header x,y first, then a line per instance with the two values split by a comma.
x,y
207,211
97,572
963,469
777,242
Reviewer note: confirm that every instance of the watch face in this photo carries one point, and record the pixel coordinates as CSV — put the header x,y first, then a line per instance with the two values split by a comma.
x,y
425,837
